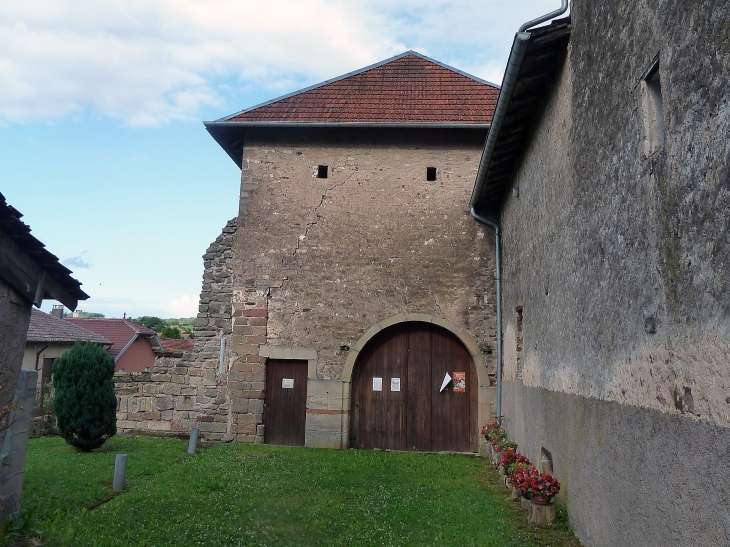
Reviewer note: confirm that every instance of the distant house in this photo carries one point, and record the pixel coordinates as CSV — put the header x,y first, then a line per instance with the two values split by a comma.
x,y
133,346
50,337
28,274
174,346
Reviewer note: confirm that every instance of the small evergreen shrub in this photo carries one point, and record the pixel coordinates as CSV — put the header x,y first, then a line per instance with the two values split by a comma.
x,y
84,403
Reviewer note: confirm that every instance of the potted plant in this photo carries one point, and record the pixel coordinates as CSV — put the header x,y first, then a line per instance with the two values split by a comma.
x,y
544,487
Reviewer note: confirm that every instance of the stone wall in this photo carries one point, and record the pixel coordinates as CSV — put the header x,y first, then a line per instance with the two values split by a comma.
x,y
14,319
618,259
311,265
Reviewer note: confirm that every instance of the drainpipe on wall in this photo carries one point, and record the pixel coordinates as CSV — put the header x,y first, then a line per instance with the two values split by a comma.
x,y
511,73
498,283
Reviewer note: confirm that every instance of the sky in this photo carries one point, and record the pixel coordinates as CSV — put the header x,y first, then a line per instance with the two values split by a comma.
x,y
102,146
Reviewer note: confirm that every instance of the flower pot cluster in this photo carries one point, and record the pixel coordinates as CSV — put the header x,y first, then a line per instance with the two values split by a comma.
x,y
528,486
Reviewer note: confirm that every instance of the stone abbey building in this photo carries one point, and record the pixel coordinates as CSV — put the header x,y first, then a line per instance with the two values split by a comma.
x,y
351,302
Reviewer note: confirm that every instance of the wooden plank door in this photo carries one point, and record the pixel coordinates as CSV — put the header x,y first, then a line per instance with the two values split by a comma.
x,y
381,414
420,416
285,403
453,414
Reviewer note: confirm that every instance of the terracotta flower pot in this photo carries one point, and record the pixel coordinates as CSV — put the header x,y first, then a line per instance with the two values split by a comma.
x,y
540,500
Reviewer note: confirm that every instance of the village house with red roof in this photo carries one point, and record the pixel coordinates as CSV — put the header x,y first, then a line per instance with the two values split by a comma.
x,y
353,286
133,347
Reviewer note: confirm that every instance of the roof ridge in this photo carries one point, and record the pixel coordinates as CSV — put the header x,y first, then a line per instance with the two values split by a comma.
x,y
356,73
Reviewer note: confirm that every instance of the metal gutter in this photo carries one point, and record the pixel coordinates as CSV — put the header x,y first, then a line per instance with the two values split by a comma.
x,y
509,82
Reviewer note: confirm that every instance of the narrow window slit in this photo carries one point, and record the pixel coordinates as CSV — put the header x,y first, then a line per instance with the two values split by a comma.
x,y
430,174
321,171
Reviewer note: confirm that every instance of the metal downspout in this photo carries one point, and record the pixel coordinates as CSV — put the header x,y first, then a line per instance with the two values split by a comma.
x,y
498,283
511,73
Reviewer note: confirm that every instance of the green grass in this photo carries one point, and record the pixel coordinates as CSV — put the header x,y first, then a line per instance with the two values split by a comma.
x,y
263,495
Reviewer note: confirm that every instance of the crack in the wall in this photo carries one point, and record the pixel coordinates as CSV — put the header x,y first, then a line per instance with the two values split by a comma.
x,y
314,211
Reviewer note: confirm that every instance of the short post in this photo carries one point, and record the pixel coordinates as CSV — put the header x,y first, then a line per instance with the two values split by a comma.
x,y
120,472
192,445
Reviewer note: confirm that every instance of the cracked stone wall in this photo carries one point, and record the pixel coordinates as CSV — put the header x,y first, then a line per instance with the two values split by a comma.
x,y
309,266
619,261
332,256
318,261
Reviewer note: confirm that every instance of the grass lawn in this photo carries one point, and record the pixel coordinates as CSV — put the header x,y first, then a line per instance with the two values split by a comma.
x,y
265,495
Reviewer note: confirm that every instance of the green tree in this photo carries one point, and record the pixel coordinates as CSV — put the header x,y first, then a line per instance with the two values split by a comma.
x,y
171,332
84,402
151,322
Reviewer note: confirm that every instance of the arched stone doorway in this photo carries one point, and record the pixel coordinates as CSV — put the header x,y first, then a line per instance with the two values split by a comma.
x,y
396,397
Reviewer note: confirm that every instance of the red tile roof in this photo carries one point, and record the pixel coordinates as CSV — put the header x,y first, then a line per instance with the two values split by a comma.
x,y
120,332
177,345
46,328
406,88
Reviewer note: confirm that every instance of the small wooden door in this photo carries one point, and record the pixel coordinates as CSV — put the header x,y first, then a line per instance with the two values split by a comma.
x,y
285,405
419,416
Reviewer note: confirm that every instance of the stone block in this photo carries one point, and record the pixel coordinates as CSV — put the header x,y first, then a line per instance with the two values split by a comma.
x,y
184,402
158,426
324,388
324,422
323,439
541,514
256,406
212,427
164,403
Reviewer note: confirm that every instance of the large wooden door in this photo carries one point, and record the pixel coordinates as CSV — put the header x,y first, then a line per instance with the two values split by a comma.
x,y
420,416
285,405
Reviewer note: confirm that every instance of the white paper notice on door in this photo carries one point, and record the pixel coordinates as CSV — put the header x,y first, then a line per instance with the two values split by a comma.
x,y
287,383
377,384
395,384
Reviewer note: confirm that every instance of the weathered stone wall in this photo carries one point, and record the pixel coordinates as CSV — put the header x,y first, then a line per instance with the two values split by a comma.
x,y
332,256
187,391
14,319
620,261
310,265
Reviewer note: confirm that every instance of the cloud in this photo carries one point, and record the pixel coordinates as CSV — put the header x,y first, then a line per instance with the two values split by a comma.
x,y
147,63
76,262
185,306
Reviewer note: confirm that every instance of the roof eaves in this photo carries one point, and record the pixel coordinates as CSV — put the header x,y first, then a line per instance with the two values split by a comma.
x,y
513,109
136,335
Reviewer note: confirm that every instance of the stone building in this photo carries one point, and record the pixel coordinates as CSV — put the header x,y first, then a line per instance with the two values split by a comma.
x,y
608,170
353,279
28,274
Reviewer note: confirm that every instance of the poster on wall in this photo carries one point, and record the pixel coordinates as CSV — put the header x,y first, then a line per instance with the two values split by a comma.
x,y
377,384
459,382
445,383
287,383
395,384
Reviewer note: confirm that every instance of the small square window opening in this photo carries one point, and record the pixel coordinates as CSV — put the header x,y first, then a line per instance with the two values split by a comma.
x,y
430,174
321,171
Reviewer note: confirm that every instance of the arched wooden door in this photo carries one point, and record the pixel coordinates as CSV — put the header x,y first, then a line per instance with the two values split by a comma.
x,y
397,401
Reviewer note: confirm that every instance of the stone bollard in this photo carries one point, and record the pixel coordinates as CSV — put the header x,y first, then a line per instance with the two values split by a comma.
x,y
541,514
120,472
516,494
525,503
192,445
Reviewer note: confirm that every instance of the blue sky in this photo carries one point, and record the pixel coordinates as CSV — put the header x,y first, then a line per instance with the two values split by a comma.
x,y
102,146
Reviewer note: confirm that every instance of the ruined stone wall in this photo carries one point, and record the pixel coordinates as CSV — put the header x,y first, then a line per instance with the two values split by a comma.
x,y
619,259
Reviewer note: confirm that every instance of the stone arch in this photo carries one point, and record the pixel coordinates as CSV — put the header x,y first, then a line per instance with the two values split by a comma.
x,y
461,333
486,396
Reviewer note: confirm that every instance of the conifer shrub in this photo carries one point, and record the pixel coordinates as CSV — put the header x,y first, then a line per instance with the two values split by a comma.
x,y
84,402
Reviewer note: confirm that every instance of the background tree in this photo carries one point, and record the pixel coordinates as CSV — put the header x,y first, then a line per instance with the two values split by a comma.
x,y
151,322
84,403
171,332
